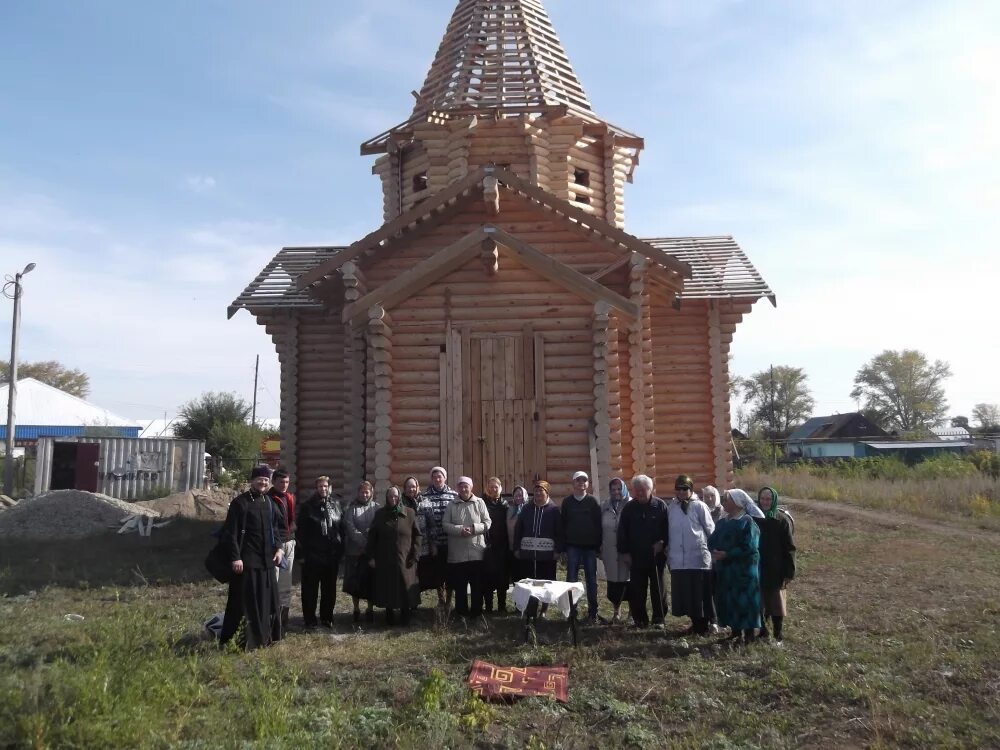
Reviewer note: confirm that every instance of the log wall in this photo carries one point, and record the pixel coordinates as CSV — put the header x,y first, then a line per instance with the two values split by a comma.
x,y
682,398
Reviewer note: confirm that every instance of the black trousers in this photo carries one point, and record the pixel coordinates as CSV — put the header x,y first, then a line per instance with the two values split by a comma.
x,y
321,579
643,581
463,578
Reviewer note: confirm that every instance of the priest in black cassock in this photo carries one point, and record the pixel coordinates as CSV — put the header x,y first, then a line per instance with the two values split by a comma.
x,y
252,613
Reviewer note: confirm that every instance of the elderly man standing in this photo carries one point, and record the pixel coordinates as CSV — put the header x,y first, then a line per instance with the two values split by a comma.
x,y
642,537
437,498
466,522
581,522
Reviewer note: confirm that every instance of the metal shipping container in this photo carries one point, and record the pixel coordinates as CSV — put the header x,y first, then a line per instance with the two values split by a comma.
x,y
125,468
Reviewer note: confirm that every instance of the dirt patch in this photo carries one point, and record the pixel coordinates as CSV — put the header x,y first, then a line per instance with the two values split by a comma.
x,y
67,514
890,520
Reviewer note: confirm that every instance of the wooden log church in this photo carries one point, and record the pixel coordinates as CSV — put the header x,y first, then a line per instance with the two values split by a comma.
x,y
502,321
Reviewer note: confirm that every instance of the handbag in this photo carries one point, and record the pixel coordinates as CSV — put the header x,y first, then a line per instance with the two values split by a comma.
x,y
217,562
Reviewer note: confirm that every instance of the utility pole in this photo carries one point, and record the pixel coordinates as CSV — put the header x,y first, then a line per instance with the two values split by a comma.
x,y
774,454
8,469
256,372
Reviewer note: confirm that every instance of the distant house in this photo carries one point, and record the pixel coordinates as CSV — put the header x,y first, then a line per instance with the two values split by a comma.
x,y
951,433
834,436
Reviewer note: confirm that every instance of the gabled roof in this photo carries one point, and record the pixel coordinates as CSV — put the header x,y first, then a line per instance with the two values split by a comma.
x,y
499,55
835,426
471,184
40,404
461,252
275,284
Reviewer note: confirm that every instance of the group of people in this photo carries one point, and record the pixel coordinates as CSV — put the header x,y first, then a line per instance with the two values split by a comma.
x,y
730,558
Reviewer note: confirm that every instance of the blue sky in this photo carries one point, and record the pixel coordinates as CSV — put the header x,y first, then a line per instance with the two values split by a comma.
x,y
154,156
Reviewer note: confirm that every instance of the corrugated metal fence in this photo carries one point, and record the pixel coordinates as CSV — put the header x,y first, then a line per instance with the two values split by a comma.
x,y
130,468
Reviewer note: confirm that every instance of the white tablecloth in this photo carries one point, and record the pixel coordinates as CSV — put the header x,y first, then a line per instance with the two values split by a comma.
x,y
556,593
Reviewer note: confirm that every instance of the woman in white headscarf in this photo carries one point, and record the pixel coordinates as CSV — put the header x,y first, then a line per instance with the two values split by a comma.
x,y
735,551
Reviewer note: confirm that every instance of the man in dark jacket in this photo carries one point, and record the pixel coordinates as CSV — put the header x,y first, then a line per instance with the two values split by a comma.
x,y
319,547
642,537
581,520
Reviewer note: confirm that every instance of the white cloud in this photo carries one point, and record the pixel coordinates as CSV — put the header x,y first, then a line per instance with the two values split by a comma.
x,y
199,183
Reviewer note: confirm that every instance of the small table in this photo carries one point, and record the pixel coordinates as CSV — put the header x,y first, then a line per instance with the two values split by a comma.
x,y
530,593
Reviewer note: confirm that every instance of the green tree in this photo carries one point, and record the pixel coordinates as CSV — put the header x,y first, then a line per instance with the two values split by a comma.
x,y
903,390
237,444
779,399
960,422
198,417
50,372
987,417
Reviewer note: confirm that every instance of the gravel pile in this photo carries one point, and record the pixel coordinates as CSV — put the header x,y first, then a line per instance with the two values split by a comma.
x,y
66,514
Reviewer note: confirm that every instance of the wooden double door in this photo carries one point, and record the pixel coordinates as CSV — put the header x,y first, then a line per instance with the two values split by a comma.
x,y
493,406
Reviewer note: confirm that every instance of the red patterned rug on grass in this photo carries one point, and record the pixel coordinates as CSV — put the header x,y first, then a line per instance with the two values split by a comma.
x,y
489,681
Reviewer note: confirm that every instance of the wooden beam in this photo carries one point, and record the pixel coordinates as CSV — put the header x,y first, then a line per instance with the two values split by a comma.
x,y
594,223
563,274
391,293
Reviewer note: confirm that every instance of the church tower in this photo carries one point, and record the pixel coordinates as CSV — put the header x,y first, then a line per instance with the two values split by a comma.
x,y
501,91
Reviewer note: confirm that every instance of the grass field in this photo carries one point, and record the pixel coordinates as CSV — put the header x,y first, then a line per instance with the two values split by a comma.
x,y
973,500
891,642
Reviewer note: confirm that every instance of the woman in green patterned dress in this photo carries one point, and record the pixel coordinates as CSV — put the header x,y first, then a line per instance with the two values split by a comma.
x,y
734,546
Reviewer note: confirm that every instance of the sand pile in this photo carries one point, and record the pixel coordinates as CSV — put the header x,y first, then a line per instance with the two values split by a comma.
x,y
205,505
67,514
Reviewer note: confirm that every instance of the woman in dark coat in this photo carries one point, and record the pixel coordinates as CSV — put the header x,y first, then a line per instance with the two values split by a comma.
x,y
734,547
777,560
393,549
252,613
496,574
319,545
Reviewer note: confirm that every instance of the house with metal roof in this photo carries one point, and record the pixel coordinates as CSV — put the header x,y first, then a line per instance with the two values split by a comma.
x,y
833,436
45,411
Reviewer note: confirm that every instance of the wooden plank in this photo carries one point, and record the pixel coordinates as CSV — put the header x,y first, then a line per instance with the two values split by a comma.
x,y
443,406
509,368
509,441
519,442
468,439
476,431
541,438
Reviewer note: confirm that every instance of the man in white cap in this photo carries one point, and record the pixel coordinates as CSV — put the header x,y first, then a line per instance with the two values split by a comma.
x,y
582,534
466,522
439,496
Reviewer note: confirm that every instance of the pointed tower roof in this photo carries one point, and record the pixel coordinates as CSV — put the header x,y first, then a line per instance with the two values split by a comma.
x,y
500,55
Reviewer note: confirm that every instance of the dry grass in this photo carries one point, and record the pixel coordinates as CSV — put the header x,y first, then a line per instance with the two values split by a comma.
x,y
892,642
974,499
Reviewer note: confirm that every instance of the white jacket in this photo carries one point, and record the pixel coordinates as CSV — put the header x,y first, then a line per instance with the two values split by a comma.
x,y
461,513
688,537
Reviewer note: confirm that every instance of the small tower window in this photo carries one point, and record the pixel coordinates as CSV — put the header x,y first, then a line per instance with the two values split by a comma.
x,y
581,177
419,182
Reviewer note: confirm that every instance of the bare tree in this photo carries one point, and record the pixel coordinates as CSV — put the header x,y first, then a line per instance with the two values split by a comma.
x,y
987,417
